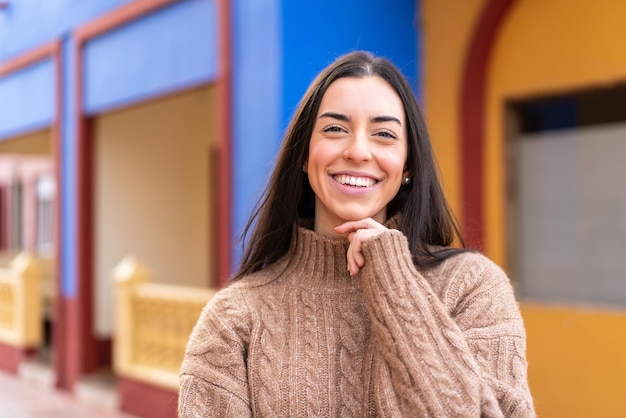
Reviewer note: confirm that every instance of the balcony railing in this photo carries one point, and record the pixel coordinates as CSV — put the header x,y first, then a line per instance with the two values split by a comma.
x,y
153,324
21,302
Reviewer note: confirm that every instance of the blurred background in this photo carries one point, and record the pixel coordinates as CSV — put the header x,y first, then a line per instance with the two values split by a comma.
x,y
136,135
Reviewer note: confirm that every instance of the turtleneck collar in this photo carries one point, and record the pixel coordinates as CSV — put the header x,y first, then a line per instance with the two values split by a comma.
x,y
318,263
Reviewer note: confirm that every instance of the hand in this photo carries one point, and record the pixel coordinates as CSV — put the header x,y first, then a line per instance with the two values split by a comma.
x,y
358,232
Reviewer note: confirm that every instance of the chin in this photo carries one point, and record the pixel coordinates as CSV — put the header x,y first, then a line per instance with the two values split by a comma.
x,y
358,215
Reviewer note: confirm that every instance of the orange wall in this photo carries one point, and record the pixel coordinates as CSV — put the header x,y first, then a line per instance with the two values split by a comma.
x,y
446,30
545,47
577,361
577,366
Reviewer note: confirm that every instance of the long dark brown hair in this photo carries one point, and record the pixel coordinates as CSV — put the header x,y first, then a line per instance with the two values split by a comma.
x,y
427,220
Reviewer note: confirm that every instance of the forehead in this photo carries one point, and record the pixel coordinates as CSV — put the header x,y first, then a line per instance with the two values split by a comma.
x,y
370,96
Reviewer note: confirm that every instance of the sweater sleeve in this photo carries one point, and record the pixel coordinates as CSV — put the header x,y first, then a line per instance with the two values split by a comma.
x,y
459,352
213,381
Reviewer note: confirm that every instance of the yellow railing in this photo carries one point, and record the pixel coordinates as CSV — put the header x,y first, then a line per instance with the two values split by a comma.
x,y
20,302
152,325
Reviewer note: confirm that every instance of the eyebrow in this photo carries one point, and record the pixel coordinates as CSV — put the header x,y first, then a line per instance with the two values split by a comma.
x,y
375,119
380,119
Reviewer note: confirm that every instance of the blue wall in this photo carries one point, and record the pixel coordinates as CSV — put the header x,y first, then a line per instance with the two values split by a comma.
x,y
257,101
315,33
26,24
27,99
169,50
279,47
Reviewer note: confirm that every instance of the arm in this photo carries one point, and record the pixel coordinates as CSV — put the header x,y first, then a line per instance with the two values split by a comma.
x,y
213,379
457,353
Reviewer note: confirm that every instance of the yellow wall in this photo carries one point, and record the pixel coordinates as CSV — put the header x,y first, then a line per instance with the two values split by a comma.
x,y
39,142
545,47
154,194
446,30
577,365
577,361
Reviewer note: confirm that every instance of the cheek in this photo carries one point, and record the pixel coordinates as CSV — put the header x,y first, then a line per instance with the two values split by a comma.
x,y
394,164
319,155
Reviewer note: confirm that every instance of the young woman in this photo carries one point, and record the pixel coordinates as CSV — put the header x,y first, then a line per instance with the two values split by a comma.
x,y
350,300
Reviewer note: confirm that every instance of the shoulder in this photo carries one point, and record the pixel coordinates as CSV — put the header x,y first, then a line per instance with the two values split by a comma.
x,y
265,277
465,264
225,317
468,277
471,265
237,298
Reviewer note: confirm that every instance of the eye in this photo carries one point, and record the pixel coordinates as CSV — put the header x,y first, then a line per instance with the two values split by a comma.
x,y
386,134
333,129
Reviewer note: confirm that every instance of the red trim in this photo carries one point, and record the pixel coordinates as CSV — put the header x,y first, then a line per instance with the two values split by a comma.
x,y
473,92
3,218
31,57
118,17
67,347
81,342
145,400
11,357
224,86
104,352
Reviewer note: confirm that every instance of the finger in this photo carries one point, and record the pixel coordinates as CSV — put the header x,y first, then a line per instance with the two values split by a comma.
x,y
354,256
367,223
359,259
353,267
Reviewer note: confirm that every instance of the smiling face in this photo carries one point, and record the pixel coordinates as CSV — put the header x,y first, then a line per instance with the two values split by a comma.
x,y
357,152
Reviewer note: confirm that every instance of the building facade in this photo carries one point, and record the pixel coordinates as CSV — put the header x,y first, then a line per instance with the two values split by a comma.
x,y
525,102
148,128
160,120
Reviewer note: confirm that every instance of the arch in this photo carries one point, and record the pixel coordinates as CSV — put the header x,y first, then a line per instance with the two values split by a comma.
x,y
472,126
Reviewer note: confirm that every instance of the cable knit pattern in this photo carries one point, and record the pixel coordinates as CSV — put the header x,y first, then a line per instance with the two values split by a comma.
x,y
311,351
352,339
303,338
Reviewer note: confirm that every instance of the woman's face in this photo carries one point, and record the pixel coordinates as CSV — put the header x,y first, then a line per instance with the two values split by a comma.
x,y
357,153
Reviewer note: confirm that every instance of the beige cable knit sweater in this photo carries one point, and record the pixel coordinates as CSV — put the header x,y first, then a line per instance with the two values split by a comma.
x,y
302,338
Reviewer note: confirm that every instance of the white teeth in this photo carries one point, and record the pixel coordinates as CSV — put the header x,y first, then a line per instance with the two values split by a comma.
x,y
355,181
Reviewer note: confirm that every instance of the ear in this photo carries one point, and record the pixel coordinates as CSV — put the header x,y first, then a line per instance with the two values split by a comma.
x,y
406,177
305,167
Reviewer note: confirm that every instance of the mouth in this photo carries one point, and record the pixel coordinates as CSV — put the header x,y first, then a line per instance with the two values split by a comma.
x,y
355,181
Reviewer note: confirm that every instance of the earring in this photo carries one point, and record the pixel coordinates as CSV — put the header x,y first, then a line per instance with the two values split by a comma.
x,y
304,167
406,180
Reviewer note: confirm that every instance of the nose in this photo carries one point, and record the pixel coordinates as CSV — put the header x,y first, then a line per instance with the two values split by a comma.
x,y
358,148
